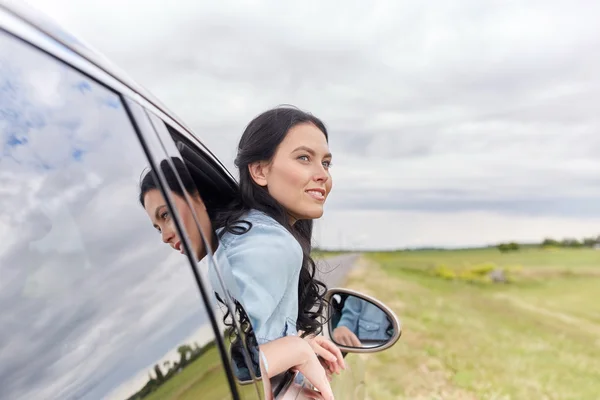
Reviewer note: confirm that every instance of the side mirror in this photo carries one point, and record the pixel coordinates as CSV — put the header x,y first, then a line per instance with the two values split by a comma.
x,y
358,323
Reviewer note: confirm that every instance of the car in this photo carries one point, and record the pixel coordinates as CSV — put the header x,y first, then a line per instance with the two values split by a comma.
x,y
92,304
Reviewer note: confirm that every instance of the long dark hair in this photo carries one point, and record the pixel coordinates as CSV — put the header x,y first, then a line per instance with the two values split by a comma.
x,y
259,142
148,181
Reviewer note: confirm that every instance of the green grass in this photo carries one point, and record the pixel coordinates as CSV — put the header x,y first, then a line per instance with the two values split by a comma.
x,y
537,338
202,379
202,375
554,259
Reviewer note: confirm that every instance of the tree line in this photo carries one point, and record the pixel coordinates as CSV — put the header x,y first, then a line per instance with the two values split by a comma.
x,y
572,243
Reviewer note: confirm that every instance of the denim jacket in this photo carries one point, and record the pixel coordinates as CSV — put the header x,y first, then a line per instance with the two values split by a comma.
x,y
366,320
261,270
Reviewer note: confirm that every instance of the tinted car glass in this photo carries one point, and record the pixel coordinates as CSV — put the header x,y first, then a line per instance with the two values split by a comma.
x,y
92,305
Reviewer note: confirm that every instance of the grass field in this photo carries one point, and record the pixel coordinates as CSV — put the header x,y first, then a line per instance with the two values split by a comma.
x,y
535,338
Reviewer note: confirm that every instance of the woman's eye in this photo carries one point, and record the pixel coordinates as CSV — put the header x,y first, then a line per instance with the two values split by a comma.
x,y
164,215
327,164
304,158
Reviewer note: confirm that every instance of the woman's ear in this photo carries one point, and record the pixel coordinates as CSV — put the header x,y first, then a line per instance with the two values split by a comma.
x,y
259,172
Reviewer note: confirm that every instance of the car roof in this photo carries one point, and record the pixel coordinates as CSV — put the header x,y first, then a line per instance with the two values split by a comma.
x,y
29,24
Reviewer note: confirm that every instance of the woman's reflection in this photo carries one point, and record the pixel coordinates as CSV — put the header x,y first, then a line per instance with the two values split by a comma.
x,y
155,205
362,324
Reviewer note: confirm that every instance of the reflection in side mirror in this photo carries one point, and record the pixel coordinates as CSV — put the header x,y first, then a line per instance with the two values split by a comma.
x,y
359,322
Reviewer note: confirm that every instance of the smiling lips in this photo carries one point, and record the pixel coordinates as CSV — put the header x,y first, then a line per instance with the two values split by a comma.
x,y
317,194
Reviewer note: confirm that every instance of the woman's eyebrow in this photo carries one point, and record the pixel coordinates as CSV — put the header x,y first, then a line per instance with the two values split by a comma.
x,y
310,151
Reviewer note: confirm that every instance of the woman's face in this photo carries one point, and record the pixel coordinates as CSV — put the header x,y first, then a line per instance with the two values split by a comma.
x,y
161,218
298,175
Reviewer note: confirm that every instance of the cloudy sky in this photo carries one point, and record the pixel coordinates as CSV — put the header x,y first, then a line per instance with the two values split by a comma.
x,y
452,123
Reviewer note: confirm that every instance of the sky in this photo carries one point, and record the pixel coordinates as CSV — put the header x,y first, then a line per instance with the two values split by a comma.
x,y
452,124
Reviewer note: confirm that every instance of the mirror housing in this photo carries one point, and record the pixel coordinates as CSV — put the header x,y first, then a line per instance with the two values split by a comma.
x,y
362,318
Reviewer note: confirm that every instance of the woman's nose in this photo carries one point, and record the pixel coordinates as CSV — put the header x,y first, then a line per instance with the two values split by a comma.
x,y
321,175
167,235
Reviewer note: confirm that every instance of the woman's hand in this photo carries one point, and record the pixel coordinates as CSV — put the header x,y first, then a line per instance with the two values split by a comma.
x,y
345,336
316,374
292,352
330,354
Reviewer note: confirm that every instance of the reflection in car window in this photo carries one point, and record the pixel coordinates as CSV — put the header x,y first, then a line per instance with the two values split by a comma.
x,y
91,306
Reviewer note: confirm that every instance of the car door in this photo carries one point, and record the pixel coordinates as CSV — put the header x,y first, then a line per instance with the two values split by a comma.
x,y
91,304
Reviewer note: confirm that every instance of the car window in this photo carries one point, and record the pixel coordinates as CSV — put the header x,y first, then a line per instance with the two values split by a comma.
x,y
214,191
92,305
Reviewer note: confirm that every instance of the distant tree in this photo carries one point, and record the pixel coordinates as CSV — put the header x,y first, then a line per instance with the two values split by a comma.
x,y
197,349
184,350
159,375
571,242
589,242
548,242
506,247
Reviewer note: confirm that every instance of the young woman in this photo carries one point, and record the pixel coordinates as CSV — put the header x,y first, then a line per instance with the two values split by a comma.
x,y
283,160
265,241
